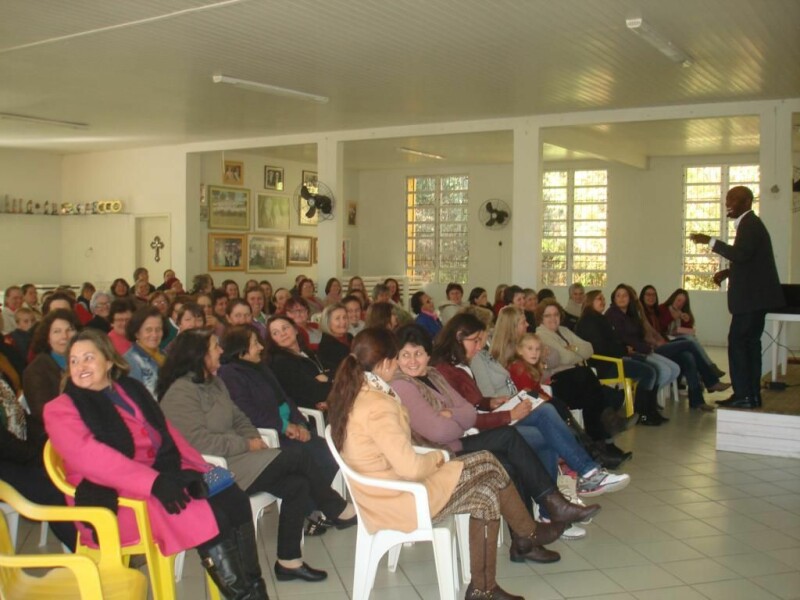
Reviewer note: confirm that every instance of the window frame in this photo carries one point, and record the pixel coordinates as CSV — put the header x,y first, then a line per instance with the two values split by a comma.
x,y
725,232
438,274
571,273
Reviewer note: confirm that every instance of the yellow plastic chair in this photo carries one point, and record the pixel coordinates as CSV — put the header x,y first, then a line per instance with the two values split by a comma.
x,y
619,381
159,566
71,576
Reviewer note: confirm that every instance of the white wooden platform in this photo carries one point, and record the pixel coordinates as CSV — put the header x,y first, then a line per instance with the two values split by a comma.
x,y
756,432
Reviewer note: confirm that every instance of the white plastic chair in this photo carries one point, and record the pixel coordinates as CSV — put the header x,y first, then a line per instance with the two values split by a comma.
x,y
319,422
258,501
12,520
370,547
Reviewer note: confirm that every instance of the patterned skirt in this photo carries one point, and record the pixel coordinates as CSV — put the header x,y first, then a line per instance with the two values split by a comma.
x,y
477,490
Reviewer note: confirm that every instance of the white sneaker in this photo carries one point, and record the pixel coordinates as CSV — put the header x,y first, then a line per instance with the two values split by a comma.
x,y
602,482
573,533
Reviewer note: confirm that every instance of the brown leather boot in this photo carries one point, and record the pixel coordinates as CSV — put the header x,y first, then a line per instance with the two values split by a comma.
x,y
529,548
483,562
563,511
528,536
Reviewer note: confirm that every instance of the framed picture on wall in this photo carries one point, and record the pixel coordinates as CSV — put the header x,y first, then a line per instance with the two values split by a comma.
x,y
272,212
298,252
225,252
310,181
352,213
266,253
273,178
233,172
229,208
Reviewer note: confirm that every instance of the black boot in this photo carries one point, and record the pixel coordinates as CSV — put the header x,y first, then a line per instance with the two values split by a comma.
x,y
595,449
224,564
248,548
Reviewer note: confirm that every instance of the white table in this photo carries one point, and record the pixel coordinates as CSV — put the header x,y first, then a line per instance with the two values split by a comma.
x,y
779,324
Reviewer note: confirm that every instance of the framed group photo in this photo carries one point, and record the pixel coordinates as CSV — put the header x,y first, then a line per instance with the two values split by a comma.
x,y
272,212
299,251
225,252
266,253
228,208
273,178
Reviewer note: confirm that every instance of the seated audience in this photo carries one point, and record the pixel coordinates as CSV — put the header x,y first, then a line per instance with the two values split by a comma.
x,y
381,315
82,308
333,291
574,382
529,306
574,307
115,441
20,338
140,273
168,274
305,291
42,378
59,299
197,402
355,283
144,331
231,289
478,297
370,430
394,290
21,444
297,309
441,415
100,307
30,299
269,303
282,296
297,367
498,298
596,329
354,313
255,298
119,315
336,340
632,330
120,289
453,304
422,306
202,284
12,300
676,320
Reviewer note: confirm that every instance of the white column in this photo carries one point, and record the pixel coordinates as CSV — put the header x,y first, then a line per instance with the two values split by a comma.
x,y
776,182
330,232
526,220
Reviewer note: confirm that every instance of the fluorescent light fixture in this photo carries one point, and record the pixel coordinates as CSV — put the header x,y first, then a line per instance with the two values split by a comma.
x,y
42,121
265,88
659,42
420,153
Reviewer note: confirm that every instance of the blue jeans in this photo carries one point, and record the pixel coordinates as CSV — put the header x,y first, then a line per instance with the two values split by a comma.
x,y
693,367
545,431
641,371
668,370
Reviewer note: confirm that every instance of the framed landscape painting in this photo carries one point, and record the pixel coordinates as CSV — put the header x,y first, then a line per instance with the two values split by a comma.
x,y
266,253
225,252
229,208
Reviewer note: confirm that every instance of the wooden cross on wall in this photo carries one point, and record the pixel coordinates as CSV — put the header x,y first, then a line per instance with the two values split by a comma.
x,y
157,245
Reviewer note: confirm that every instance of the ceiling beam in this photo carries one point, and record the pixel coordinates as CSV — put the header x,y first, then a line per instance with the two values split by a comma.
x,y
580,139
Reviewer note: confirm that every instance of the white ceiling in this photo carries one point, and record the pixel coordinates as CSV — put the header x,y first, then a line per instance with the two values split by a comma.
x,y
140,76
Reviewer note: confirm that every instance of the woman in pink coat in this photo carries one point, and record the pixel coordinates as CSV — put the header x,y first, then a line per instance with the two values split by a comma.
x,y
115,441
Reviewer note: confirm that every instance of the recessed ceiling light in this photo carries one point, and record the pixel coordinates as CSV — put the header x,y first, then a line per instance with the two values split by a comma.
x,y
420,153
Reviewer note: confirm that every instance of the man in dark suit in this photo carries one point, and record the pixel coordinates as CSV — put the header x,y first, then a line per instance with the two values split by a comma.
x,y
753,290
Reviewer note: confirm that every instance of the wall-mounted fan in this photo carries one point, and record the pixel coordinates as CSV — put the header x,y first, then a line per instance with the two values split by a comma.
x,y
315,201
494,214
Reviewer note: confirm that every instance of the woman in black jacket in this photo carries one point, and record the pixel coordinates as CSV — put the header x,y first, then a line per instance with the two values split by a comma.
x,y
596,329
301,374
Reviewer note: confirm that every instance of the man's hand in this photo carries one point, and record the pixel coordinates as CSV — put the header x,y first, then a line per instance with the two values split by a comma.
x,y
699,238
721,276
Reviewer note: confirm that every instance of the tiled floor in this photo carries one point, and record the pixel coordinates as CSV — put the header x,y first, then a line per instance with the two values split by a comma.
x,y
693,524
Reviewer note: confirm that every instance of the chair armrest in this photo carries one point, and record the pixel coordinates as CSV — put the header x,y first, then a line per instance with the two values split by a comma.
x,y
317,415
217,461
611,359
424,450
270,437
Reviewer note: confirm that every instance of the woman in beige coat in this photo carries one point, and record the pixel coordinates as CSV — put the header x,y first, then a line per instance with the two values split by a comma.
x,y
370,428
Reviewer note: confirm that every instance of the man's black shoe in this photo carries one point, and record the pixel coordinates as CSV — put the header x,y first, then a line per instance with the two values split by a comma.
x,y
747,402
